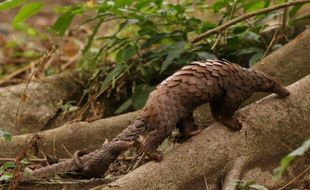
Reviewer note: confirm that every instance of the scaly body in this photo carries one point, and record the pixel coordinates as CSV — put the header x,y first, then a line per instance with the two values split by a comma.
x,y
224,85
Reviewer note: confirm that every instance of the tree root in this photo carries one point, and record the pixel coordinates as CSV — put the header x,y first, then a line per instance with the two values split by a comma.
x,y
253,118
234,173
269,127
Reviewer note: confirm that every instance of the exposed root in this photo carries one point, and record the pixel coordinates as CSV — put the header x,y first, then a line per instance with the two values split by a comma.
x,y
234,173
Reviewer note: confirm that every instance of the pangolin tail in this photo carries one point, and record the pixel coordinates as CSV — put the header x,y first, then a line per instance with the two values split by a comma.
x,y
132,132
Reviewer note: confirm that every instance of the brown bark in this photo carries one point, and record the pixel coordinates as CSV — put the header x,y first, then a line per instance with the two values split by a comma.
x,y
72,136
291,59
29,108
271,128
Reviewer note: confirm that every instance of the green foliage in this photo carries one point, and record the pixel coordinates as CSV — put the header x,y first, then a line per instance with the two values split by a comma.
x,y
26,11
5,172
137,99
10,4
278,172
6,135
147,40
247,185
64,20
140,95
152,40
68,107
111,77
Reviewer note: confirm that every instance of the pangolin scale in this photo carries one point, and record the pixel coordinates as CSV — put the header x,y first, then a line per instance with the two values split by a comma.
x,y
222,84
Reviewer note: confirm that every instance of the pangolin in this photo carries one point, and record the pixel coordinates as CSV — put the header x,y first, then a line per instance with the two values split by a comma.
x,y
222,84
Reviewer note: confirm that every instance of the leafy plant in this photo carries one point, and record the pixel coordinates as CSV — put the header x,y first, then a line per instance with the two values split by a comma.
x,y
246,185
27,9
147,40
278,172
6,135
153,39
6,174
68,107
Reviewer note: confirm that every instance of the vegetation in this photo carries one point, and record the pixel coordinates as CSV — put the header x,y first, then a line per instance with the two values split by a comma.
x,y
153,39
147,40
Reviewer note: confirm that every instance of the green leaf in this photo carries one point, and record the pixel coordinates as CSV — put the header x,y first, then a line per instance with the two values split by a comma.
x,y
22,26
240,29
112,75
258,187
6,177
124,106
140,95
249,50
207,26
233,42
218,5
124,54
278,172
301,150
141,4
255,58
267,3
68,107
6,135
253,5
10,4
203,55
122,3
154,39
63,22
126,23
276,46
177,9
26,11
294,10
174,51
7,165
250,36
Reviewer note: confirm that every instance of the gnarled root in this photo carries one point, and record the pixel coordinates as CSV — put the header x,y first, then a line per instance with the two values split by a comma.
x,y
93,164
234,173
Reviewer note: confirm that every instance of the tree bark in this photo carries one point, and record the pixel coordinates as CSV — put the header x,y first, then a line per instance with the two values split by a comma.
x,y
28,108
71,137
272,127
291,59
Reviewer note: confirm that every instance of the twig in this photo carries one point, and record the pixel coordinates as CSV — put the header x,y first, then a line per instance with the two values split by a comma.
x,y
139,161
218,38
270,135
230,16
92,36
271,43
246,16
284,19
66,150
205,178
289,183
19,167
15,73
40,160
22,100
35,160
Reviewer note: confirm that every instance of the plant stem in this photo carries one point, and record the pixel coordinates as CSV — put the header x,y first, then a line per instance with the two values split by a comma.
x,y
246,16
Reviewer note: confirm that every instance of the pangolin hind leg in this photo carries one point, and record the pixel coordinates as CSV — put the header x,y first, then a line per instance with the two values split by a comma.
x,y
223,110
187,128
152,142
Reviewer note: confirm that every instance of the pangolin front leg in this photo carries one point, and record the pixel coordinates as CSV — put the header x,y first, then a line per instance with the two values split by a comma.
x,y
223,110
